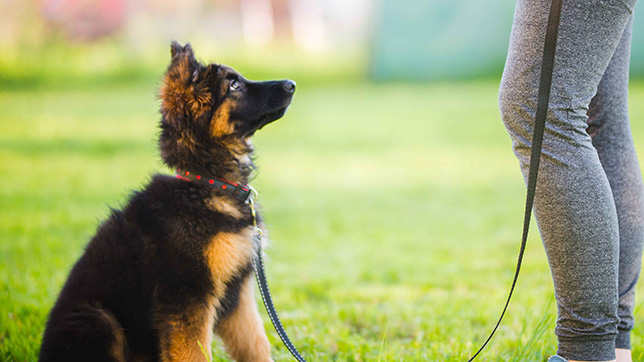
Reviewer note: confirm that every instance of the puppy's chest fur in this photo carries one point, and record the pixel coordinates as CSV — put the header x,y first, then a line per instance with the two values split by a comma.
x,y
227,254
228,257
225,227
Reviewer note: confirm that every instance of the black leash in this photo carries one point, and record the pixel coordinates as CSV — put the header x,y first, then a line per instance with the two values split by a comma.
x,y
262,281
545,83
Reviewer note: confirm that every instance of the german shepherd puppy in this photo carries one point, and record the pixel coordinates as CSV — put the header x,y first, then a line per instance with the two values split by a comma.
x,y
173,267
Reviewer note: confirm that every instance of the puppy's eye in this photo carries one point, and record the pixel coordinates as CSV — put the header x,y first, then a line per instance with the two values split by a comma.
x,y
234,85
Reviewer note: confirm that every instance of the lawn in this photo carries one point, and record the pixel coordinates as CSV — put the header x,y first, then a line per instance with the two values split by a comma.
x,y
394,212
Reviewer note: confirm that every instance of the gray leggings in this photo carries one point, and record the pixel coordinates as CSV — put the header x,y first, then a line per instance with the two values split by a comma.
x,y
590,198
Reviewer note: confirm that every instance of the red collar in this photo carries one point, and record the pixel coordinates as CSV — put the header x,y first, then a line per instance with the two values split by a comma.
x,y
240,192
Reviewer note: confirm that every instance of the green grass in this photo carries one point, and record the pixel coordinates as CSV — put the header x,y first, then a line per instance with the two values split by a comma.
x,y
394,212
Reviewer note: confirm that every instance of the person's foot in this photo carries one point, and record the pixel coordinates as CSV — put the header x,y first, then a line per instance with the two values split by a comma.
x,y
556,358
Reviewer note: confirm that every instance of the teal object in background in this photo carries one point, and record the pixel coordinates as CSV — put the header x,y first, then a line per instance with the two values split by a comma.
x,y
420,40
637,55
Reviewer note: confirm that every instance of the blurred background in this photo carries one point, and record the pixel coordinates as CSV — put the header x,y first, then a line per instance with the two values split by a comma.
x,y
390,191
407,40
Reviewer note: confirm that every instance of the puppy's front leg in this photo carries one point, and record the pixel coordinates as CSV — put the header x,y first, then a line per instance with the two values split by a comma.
x,y
181,335
243,330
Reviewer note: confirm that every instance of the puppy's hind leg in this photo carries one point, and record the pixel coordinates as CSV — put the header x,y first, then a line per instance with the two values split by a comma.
x,y
243,330
84,333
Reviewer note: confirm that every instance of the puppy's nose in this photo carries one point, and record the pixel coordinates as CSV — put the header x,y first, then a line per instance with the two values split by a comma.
x,y
289,85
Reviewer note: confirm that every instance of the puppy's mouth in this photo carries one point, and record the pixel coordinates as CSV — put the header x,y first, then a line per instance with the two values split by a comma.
x,y
248,129
270,117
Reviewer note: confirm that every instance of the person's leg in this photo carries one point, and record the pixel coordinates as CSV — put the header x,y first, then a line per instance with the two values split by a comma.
x,y
574,204
609,127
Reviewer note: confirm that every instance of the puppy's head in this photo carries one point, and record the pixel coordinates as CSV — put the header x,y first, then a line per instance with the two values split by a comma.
x,y
211,108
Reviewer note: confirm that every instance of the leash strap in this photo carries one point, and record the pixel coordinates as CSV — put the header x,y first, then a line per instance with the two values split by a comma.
x,y
262,282
260,273
545,83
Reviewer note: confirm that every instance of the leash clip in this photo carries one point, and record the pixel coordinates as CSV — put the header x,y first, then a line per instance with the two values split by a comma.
x,y
251,201
252,198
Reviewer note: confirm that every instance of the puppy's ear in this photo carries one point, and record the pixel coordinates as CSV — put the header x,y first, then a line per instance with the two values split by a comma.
x,y
185,89
179,51
175,48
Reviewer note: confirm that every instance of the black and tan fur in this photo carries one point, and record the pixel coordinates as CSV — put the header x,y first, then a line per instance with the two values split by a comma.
x,y
172,268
